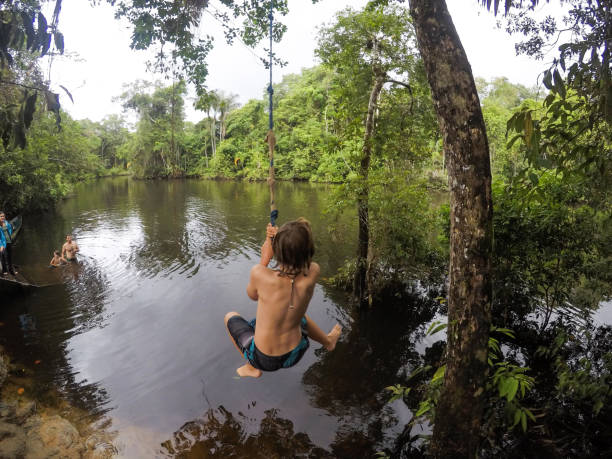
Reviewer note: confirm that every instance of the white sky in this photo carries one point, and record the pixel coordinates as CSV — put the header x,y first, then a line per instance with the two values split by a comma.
x,y
105,61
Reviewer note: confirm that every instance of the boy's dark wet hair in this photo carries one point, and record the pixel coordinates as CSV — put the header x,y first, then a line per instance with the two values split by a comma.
x,y
56,252
293,246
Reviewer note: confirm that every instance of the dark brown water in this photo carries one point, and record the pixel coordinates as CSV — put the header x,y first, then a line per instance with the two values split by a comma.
x,y
134,333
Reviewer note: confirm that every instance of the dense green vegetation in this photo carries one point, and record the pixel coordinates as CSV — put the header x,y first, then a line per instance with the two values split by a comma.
x,y
550,155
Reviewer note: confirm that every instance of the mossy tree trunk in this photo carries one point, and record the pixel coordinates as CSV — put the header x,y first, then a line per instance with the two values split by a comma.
x,y
460,409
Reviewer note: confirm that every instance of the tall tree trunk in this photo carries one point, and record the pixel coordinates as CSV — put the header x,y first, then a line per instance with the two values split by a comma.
x,y
213,139
360,283
206,151
172,124
460,409
222,126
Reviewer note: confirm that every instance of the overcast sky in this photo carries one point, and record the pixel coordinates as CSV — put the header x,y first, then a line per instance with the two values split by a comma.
x,y
105,61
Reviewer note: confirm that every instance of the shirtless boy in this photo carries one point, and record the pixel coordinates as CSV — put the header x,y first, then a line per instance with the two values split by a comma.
x,y
57,259
70,249
280,337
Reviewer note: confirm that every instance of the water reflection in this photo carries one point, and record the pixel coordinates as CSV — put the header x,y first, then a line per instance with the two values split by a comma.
x,y
219,433
380,344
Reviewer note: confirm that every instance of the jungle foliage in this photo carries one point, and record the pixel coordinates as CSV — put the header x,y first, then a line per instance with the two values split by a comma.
x,y
25,36
552,249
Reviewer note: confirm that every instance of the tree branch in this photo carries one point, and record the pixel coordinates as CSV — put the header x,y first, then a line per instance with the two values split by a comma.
x,y
407,86
23,85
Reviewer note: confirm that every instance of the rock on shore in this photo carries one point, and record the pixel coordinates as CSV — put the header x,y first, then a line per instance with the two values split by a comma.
x,y
26,431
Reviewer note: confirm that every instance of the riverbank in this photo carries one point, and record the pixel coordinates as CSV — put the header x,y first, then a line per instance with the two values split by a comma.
x,y
30,428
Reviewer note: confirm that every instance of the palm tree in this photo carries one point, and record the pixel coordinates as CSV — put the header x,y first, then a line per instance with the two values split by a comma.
x,y
209,102
227,103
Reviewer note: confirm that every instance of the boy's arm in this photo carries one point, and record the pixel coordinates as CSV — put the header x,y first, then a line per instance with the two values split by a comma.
x,y
266,249
315,270
251,289
76,247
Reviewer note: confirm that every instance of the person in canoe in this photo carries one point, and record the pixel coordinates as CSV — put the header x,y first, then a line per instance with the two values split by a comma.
x,y
57,259
70,249
6,245
278,336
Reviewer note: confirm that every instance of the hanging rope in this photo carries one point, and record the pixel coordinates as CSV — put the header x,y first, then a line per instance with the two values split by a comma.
x,y
270,138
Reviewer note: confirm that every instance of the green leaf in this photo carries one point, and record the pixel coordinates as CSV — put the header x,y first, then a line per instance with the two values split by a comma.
x,y
28,21
504,331
42,29
547,80
46,44
528,128
559,84
549,99
493,345
513,140
29,108
19,134
598,406
439,374
513,387
517,417
58,39
424,407
436,327
523,421
519,121
503,387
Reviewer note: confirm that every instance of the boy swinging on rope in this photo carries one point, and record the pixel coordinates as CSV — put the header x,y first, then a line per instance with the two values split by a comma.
x,y
280,338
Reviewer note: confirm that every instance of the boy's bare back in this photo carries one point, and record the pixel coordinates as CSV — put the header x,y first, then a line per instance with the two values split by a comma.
x,y
278,313
279,336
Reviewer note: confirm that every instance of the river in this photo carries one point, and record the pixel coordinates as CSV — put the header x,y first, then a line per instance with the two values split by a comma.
x,y
133,334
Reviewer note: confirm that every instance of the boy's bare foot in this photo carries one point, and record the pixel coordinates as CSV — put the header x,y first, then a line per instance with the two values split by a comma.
x,y
333,336
248,370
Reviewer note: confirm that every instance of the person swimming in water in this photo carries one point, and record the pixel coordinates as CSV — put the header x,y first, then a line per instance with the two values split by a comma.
x,y
57,259
278,336
70,249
